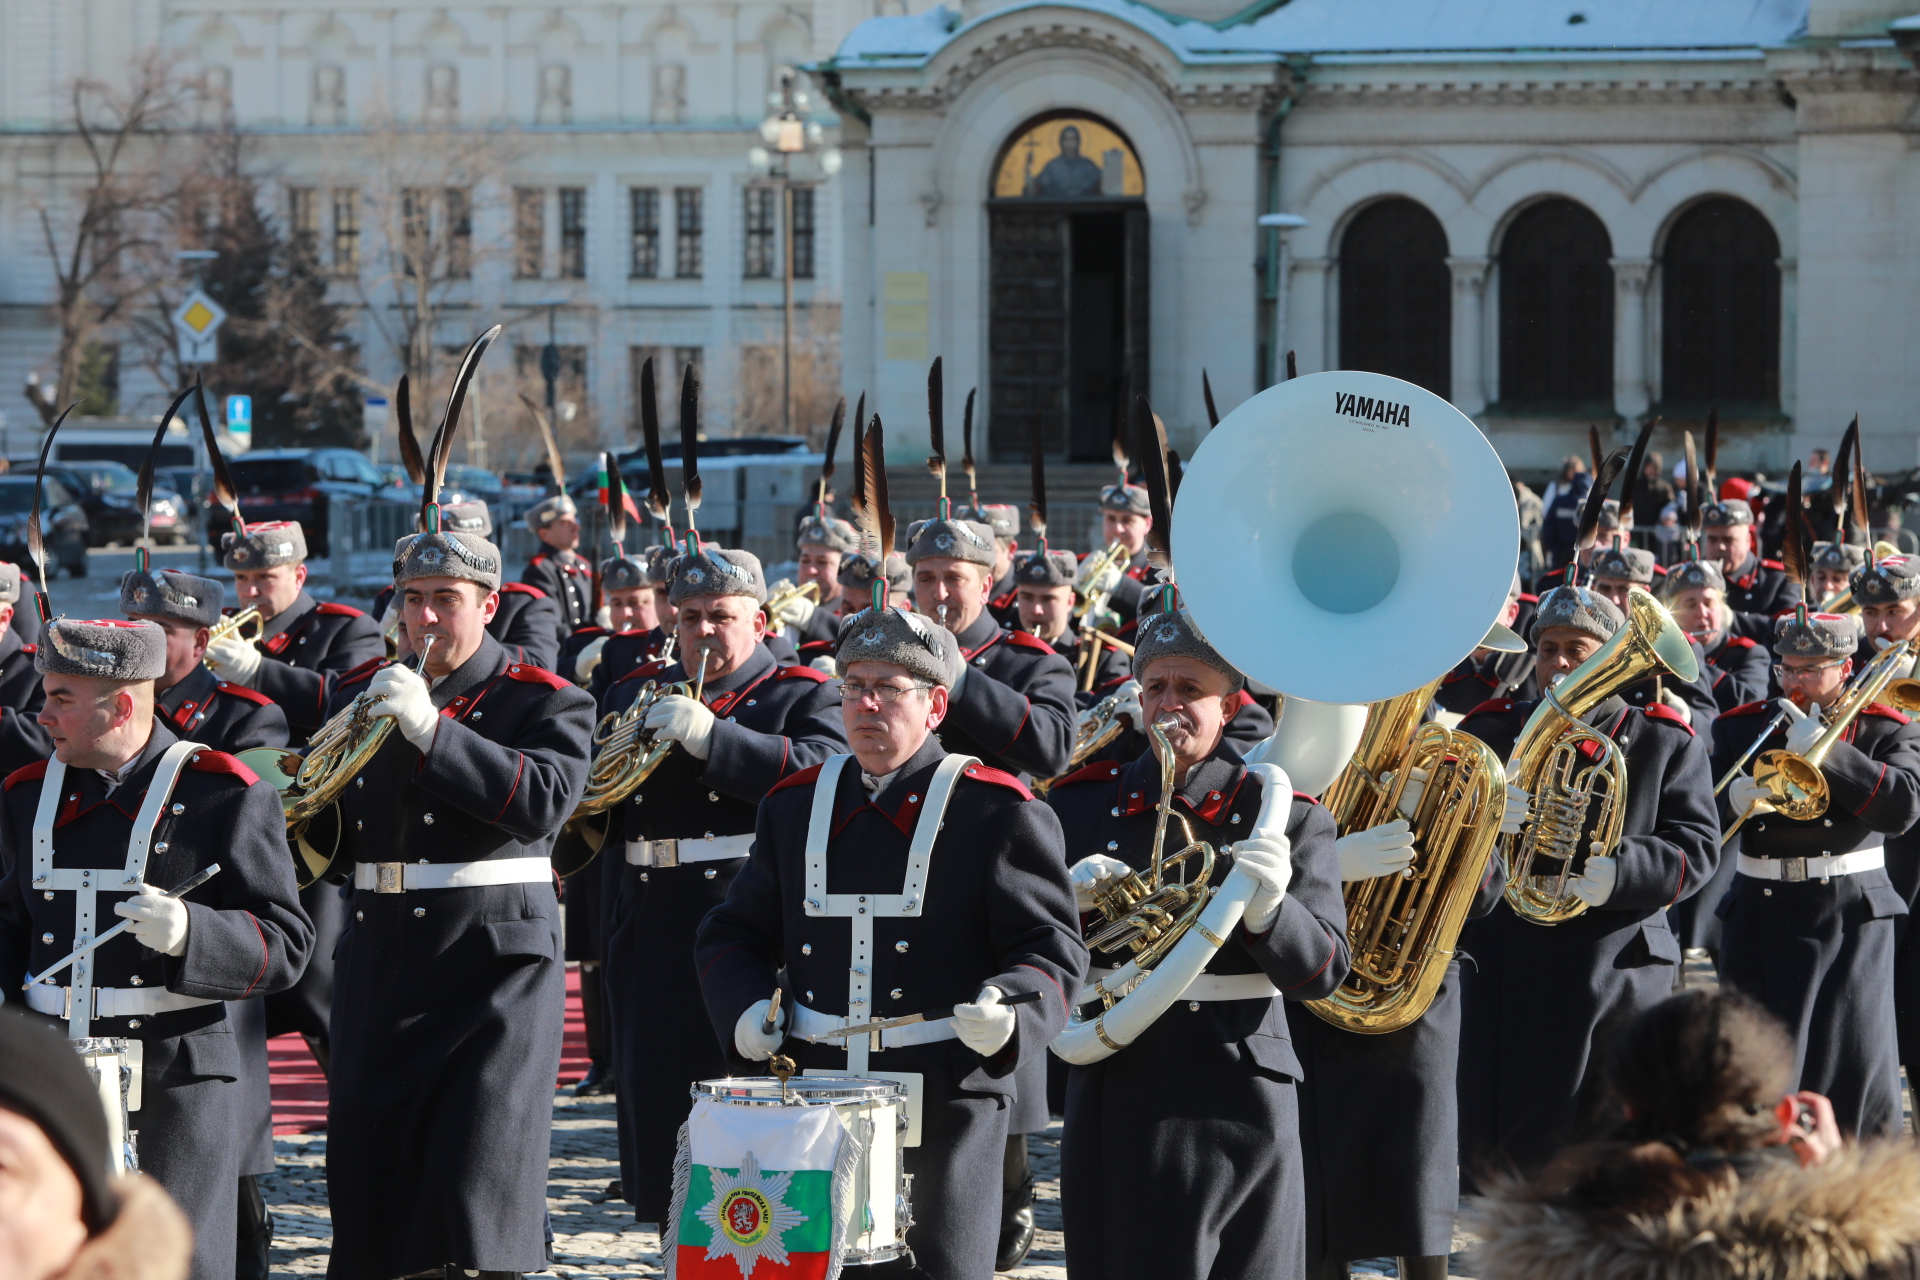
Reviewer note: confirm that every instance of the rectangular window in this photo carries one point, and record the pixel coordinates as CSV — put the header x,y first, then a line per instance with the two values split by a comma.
x,y
687,257
802,232
457,207
760,232
346,231
529,232
416,231
644,203
573,233
303,222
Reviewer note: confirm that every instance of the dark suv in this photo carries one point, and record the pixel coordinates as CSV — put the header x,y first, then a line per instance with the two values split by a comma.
x,y
110,492
61,516
299,485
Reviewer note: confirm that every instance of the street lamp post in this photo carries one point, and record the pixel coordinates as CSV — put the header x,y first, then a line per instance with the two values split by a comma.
x,y
790,134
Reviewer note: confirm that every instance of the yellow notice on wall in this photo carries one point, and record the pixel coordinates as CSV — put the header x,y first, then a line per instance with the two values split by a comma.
x,y
906,312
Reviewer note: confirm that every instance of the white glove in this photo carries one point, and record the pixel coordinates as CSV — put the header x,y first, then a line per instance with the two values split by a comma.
x,y
1101,583
1594,885
159,922
1678,703
589,659
235,660
1516,814
1411,793
796,612
1091,873
1268,857
1129,702
408,701
1377,851
986,1025
750,1038
686,721
1744,791
1805,731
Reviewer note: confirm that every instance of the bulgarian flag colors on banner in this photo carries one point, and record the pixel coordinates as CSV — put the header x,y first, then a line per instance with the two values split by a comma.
x,y
758,1201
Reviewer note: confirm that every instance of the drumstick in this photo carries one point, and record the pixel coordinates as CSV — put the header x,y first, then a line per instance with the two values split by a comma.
x,y
773,1014
178,891
931,1015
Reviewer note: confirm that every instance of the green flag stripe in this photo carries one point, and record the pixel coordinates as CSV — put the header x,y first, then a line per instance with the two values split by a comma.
x,y
810,1192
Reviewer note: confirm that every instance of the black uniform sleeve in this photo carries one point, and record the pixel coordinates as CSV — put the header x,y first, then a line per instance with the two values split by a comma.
x,y
1881,789
544,574
22,740
745,764
535,627
247,934
257,725
1304,951
1251,725
1677,858
740,941
16,925
529,787
1032,730
303,693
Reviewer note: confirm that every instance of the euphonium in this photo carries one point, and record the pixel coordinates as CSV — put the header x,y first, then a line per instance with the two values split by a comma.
x,y
1577,800
625,754
237,624
1402,929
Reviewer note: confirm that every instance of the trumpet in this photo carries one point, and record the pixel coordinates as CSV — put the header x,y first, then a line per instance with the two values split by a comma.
x,y
625,754
237,625
784,595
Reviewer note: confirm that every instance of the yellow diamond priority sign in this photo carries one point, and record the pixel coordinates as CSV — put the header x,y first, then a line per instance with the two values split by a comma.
x,y
198,319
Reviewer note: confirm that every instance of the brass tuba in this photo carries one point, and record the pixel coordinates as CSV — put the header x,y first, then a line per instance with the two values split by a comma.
x,y
1577,799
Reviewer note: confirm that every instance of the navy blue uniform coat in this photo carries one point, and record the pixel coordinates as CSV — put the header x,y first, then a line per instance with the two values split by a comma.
x,y
22,740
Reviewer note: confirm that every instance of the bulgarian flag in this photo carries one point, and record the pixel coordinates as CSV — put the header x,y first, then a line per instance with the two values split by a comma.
x,y
759,1199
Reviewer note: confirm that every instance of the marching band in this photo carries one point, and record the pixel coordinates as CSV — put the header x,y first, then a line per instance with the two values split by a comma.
x,y
1319,870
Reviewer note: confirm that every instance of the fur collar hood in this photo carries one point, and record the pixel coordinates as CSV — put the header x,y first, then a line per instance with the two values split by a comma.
x,y
1855,1216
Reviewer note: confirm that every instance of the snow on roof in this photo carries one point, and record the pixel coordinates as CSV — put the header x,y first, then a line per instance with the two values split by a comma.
x,y
1398,29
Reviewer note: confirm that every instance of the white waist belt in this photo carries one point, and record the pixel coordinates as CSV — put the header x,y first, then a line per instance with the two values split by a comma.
x,y
808,1023
398,877
1208,986
1817,868
113,1002
672,853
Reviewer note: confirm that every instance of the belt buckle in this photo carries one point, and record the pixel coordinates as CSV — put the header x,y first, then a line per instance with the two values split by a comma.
x,y
389,877
664,853
1793,869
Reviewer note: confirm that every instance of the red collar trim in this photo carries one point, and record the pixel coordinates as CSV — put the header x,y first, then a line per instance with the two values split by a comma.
x,y
726,702
1133,803
968,655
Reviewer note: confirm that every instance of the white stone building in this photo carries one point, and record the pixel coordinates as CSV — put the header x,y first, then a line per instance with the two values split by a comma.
x,y
610,143
1554,213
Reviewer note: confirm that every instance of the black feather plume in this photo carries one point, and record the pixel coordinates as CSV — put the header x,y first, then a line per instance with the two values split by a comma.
x,y
966,448
1594,452
1636,463
659,498
1173,475
1796,544
871,508
1710,465
690,445
1206,390
1037,503
833,447
223,491
1696,510
1293,367
143,487
1150,446
616,504
442,447
1859,514
1840,479
937,429
409,443
1608,472
36,541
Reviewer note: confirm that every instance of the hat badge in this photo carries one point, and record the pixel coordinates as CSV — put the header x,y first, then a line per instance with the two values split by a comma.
x,y
696,576
872,636
944,541
1167,634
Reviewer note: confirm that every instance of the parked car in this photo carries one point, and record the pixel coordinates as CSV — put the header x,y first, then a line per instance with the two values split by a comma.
x,y
110,493
299,485
62,517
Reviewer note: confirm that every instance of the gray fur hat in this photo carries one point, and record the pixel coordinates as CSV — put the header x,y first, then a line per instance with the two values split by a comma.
x,y
717,571
467,517
547,510
1130,498
623,573
1725,515
1690,575
1174,635
1887,581
1838,557
857,572
925,648
169,593
659,560
449,555
1822,635
102,649
265,546
832,534
9,583
1045,569
1579,608
1610,515
1003,519
1625,564
951,540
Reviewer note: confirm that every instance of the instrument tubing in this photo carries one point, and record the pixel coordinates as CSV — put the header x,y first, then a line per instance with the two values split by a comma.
x,y
399,877
1817,868
673,853
808,1023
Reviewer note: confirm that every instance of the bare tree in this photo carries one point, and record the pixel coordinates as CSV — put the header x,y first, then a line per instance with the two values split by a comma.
x,y
97,236
816,378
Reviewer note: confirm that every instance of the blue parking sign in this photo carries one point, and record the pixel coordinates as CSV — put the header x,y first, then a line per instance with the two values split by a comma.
x,y
240,413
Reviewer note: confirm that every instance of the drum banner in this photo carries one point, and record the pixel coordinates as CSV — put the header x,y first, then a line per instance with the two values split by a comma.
x,y
760,1193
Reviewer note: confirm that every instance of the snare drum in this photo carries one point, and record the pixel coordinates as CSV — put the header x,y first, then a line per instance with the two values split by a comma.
x,y
879,1210
115,1067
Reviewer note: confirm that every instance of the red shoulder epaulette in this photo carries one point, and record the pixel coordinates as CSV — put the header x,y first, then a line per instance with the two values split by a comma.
x,y
1529,597
814,646
241,691
527,673
364,671
1745,709
981,773
539,559
1492,707
524,589
1027,640
211,761
1773,564
1098,771
1741,642
26,773
339,610
645,671
1301,795
1882,709
799,779
29,648
803,673
1661,711
1660,570
1001,602
592,629
1114,683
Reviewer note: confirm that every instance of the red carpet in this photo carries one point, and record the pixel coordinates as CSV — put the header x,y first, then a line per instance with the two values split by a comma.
x,y
300,1092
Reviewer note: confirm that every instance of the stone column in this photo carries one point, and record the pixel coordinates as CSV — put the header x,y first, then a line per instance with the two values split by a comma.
x,y
1630,395
1469,363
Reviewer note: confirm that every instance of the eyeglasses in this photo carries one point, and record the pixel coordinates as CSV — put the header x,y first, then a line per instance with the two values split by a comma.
x,y
886,694
1784,673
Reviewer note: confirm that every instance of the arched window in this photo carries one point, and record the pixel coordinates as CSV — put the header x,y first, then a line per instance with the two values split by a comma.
x,y
1720,308
1395,314
1556,309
